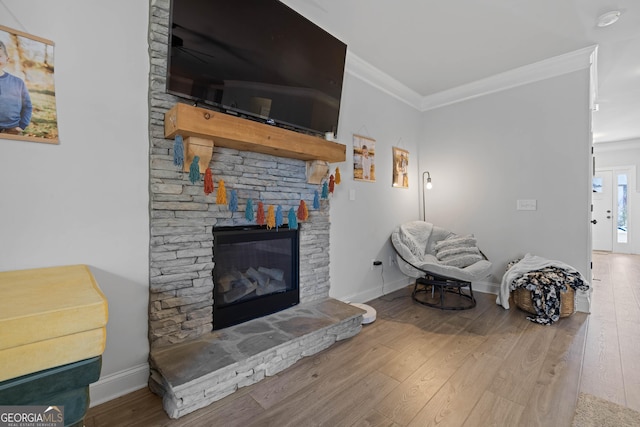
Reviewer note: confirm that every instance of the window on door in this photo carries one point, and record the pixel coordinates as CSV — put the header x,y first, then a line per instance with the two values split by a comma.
x,y
622,209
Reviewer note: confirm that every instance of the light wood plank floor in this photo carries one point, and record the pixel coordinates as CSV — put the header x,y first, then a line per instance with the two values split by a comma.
x,y
612,353
417,366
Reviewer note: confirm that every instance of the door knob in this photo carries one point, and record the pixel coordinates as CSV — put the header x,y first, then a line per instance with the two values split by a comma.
x,y
608,217
593,221
608,211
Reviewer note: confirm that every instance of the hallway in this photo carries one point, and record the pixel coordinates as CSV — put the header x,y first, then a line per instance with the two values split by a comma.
x,y
613,334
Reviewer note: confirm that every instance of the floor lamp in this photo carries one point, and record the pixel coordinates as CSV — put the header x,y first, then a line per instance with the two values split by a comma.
x,y
426,185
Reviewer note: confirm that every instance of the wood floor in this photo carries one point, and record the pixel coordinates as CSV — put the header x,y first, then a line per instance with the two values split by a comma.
x,y
612,353
417,366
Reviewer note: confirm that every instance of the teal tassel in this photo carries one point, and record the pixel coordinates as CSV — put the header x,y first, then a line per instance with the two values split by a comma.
x,y
248,213
178,151
316,200
279,218
233,203
293,220
325,190
194,170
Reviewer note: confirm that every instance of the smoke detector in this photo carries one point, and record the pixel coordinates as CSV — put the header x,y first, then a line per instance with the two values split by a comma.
x,y
608,18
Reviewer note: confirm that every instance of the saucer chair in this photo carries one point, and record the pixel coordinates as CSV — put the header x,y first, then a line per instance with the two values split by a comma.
x,y
444,264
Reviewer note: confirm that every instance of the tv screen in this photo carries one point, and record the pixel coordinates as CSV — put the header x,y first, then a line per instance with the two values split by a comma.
x,y
258,59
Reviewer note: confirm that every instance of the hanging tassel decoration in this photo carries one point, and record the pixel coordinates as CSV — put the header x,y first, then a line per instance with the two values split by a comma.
x,y
325,190
316,200
293,223
248,213
208,182
303,212
271,217
233,203
337,176
332,184
178,151
221,197
194,170
279,218
260,214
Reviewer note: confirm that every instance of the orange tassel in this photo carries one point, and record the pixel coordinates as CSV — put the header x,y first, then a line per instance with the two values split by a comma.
x,y
221,197
337,176
303,212
260,214
208,182
271,217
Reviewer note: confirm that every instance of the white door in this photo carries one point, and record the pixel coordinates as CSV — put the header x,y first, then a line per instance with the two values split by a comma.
x,y
602,217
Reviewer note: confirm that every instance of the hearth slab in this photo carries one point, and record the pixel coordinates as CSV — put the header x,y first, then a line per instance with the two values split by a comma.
x,y
193,374
303,325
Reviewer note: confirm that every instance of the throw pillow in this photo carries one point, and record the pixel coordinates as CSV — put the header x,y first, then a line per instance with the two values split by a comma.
x,y
458,251
462,261
455,240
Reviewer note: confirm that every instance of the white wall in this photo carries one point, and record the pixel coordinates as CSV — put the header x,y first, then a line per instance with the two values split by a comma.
x,y
85,201
617,154
529,142
360,228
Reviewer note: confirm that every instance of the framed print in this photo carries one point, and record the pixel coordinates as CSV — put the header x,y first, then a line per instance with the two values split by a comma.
x,y
27,90
400,165
364,166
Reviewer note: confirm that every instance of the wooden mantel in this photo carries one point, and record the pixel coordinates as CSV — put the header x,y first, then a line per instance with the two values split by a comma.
x,y
246,135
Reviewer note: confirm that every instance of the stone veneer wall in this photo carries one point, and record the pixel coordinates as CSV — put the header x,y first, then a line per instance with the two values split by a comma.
x,y
183,217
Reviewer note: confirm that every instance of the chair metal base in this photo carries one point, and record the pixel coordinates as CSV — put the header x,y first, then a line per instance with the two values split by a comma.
x,y
440,287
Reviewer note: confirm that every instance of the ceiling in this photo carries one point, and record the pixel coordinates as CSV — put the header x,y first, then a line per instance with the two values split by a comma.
x,y
430,46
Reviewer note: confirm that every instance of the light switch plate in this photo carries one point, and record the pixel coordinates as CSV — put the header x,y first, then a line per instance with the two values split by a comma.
x,y
527,205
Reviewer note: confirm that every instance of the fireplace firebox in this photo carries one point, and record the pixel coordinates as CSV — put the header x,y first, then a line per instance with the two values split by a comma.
x,y
256,272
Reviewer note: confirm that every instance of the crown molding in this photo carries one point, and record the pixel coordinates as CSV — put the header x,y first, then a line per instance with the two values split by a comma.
x,y
366,72
625,144
551,67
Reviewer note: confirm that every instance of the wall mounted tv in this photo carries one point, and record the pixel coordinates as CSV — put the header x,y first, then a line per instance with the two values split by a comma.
x,y
257,59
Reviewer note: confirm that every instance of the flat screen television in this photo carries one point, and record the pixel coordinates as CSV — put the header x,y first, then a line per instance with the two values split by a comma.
x,y
257,59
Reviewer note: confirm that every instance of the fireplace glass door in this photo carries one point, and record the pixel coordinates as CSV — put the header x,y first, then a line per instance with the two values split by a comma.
x,y
256,272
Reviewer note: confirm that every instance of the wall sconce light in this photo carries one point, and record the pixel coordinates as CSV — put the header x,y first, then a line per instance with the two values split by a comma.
x,y
426,185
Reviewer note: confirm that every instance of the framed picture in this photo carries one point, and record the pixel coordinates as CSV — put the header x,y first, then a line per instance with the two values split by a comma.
x,y
400,165
27,91
364,165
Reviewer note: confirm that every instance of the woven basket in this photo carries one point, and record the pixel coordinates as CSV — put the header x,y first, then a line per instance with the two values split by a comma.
x,y
522,299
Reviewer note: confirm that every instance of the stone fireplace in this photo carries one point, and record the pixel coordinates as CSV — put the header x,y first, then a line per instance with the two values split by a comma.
x,y
191,364
182,223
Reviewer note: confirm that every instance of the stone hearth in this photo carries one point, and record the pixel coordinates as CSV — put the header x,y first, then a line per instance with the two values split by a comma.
x,y
196,373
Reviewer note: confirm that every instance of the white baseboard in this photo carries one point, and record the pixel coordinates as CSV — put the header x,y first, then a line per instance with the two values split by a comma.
x,y
486,287
583,301
118,384
373,293
370,294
